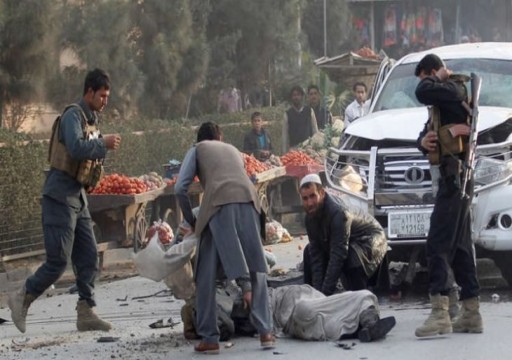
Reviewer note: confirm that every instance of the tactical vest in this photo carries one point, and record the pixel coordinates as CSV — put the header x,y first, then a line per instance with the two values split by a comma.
x,y
299,125
86,172
447,144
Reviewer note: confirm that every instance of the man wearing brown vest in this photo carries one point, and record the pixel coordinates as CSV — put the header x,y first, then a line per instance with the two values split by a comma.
x,y
228,226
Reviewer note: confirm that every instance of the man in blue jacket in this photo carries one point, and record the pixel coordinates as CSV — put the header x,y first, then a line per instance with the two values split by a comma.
x,y
67,225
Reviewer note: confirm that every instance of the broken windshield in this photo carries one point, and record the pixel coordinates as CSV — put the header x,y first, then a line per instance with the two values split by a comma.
x,y
398,90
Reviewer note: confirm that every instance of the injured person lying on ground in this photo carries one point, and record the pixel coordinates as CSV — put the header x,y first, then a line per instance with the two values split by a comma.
x,y
301,312
298,311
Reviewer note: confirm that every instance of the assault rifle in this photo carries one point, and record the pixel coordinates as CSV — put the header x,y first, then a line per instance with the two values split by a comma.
x,y
470,159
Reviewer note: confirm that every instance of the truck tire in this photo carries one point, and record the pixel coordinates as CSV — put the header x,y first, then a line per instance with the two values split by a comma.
x,y
502,260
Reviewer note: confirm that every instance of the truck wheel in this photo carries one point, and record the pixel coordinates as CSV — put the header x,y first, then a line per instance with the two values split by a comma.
x,y
502,261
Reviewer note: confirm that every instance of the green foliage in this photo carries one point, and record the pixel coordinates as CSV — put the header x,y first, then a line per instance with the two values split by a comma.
x,y
9,136
338,100
165,43
254,44
235,130
25,27
22,165
167,59
338,26
100,33
22,178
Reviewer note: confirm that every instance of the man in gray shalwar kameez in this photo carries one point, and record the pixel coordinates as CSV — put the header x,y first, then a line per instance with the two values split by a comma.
x,y
228,228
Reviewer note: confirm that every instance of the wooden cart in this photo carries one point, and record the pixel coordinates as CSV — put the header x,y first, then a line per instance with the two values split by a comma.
x,y
264,183
167,209
166,206
120,220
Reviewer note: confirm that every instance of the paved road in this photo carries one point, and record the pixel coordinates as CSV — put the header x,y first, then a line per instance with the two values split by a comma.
x,y
134,303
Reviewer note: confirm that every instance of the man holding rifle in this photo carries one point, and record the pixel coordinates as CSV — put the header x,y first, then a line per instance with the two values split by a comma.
x,y
445,140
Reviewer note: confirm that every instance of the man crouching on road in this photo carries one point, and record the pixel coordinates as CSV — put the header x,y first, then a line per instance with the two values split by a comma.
x,y
228,227
342,244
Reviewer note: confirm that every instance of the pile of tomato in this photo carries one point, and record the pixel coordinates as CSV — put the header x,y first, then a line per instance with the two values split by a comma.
x,y
253,166
118,184
296,157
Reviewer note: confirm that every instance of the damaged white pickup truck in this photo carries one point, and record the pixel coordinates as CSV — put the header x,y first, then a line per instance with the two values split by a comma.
x,y
379,169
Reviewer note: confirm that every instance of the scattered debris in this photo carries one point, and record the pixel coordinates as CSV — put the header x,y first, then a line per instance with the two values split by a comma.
x,y
105,339
229,345
345,346
160,324
278,272
25,343
165,292
123,299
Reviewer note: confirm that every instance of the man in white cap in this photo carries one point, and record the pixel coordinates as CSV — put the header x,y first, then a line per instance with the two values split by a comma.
x,y
343,244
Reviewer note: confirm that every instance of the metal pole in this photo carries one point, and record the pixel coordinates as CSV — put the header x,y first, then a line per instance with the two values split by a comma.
x,y
457,23
269,85
325,29
372,26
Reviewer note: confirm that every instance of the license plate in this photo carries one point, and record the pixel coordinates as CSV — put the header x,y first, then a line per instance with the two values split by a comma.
x,y
405,224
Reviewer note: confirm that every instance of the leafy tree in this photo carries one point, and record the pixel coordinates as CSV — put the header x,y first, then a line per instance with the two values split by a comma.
x,y
252,43
101,35
195,63
338,26
25,34
164,38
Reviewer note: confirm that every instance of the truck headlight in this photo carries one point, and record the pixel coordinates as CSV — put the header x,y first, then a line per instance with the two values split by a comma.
x,y
488,170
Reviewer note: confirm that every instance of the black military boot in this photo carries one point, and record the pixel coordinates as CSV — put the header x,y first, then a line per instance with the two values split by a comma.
x,y
372,327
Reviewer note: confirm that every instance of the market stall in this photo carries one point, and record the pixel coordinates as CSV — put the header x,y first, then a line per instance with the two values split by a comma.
x,y
166,207
118,209
354,66
267,179
121,218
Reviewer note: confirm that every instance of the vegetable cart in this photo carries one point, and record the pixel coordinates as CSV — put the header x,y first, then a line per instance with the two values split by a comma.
x,y
264,186
120,219
166,206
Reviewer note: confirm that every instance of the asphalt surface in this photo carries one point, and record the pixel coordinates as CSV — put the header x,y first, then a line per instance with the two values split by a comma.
x,y
132,304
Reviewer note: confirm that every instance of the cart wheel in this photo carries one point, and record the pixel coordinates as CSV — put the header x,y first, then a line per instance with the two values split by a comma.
x,y
265,206
167,217
139,234
271,196
97,232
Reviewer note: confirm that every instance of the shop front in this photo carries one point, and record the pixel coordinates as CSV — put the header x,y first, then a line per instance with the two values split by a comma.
x,y
401,26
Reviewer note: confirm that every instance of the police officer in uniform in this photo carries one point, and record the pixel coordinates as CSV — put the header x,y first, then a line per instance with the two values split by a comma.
x,y
449,240
75,149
